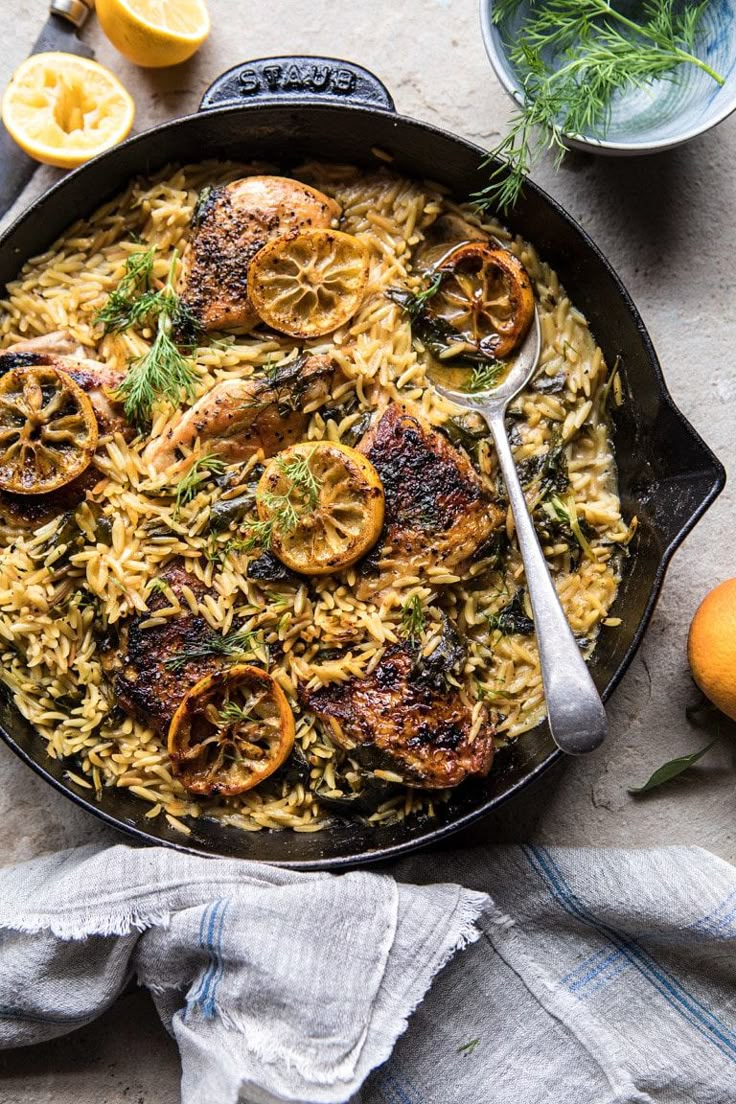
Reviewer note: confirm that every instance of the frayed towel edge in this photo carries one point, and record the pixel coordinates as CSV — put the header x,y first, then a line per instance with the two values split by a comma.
x,y
462,930
81,926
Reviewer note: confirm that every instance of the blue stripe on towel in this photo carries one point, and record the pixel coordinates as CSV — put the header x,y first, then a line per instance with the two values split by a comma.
x,y
204,998
209,1004
391,1089
208,926
683,1002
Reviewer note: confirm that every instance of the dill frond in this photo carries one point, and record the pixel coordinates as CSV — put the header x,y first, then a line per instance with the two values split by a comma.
x,y
286,508
414,302
571,58
232,713
485,376
302,478
163,372
131,300
198,473
237,644
412,618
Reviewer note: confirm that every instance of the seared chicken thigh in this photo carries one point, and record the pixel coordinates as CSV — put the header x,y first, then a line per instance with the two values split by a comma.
x,y
146,684
438,513
230,224
416,726
238,417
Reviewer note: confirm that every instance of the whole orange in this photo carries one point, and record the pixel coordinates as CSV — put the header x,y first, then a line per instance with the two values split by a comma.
x,y
711,647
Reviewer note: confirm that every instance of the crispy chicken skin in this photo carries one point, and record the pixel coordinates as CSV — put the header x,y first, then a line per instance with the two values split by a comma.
x,y
417,727
144,685
238,417
438,513
230,224
61,350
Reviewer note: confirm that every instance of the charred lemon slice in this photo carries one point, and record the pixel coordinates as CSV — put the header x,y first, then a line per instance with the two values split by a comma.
x,y
323,505
233,729
48,430
308,284
486,296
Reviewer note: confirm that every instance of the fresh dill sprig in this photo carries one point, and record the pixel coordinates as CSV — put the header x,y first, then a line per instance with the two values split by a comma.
x,y
232,713
299,473
163,372
131,300
259,535
571,58
198,473
412,618
240,642
485,376
287,507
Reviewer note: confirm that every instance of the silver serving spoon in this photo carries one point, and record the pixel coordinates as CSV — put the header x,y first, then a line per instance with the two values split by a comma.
x,y
575,711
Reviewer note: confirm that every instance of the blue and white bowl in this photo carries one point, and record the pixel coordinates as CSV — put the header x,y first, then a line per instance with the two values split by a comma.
x,y
660,116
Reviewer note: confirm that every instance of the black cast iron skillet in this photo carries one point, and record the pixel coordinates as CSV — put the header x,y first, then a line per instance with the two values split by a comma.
x,y
283,110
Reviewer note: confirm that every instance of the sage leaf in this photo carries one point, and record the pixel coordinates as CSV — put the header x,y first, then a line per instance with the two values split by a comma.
x,y
671,769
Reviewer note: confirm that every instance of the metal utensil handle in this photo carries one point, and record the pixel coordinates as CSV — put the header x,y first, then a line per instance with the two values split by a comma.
x,y
75,11
575,711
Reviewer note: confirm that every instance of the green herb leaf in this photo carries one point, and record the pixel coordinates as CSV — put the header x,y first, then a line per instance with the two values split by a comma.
x,y
188,487
485,376
162,372
469,1047
300,498
414,302
240,642
512,618
123,306
571,58
412,618
671,769
232,713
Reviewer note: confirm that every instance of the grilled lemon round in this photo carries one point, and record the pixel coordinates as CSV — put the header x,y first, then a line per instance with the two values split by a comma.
x,y
308,284
486,296
233,729
323,504
48,430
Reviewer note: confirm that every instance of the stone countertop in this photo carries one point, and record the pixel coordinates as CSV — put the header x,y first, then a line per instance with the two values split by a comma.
x,y
666,224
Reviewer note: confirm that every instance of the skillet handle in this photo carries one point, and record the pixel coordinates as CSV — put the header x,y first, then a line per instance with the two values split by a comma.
x,y
297,80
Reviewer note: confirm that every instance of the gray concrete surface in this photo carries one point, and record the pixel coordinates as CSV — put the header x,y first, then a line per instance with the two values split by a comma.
x,y
667,225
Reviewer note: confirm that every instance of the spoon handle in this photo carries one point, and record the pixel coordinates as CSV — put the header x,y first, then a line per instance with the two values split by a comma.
x,y
575,711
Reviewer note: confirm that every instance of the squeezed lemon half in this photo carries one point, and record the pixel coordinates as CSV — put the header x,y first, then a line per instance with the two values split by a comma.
x,y
232,730
48,430
155,33
63,109
325,504
308,284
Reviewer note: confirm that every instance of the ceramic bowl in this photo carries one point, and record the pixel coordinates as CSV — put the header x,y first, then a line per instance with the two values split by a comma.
x,y
660,116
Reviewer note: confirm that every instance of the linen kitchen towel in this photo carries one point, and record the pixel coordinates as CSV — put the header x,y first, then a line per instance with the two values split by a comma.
x,y
602,977
289,987
612,981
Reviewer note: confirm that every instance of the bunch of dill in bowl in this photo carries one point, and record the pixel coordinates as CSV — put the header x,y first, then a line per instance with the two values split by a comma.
x,y
614,77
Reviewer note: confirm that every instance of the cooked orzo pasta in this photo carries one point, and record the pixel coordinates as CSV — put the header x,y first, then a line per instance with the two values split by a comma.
x,y
163,532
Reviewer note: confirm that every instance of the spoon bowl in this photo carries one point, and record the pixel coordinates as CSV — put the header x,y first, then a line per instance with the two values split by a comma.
x,y
575,712
515,380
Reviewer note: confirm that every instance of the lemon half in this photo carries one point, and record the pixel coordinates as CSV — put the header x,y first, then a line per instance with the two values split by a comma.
x,y
63,109
155,33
